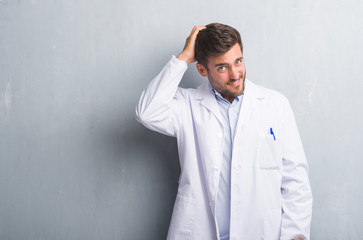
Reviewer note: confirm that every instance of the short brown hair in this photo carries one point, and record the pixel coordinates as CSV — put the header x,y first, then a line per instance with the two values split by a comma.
x,y
215,40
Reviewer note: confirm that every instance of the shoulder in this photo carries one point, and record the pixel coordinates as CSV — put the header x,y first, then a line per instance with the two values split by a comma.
x,y
270,102
193,93
266,93
185,93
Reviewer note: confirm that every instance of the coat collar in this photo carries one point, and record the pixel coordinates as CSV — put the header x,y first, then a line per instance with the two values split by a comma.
x,y
251,98
207,99
253,95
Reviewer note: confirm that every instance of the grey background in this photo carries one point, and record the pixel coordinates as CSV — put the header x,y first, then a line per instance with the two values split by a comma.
x,y
74,163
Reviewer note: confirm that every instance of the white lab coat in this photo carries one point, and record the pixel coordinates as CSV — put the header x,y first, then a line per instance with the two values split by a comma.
x,y
270,191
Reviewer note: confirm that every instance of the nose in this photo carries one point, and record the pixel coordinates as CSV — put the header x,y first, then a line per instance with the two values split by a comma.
x,y
234,73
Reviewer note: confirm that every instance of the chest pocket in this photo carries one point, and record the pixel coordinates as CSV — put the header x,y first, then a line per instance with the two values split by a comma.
x,y
268,152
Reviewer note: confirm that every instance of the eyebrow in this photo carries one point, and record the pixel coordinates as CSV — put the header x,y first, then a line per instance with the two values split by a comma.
x,y
226,64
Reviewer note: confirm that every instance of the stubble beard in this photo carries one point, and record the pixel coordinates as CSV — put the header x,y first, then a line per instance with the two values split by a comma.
x,y
235,94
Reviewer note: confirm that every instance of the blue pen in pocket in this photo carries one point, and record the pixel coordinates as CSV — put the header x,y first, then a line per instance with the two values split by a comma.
x,y
272,133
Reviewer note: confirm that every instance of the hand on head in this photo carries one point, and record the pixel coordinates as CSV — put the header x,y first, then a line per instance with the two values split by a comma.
x,y
188,53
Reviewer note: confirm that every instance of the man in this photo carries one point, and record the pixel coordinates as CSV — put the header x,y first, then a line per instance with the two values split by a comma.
x,y
243,170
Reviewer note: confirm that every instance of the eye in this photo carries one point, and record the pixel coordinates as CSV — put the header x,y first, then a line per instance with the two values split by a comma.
x,y
221,69
239,61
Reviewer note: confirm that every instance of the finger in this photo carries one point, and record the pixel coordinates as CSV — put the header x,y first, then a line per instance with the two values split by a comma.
x,y
196,29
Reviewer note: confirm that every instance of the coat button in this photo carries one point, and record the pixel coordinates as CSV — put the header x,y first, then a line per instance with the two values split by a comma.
x,y
220,135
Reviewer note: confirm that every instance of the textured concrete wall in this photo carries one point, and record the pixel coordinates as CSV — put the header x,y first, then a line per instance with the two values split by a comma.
x,y
74,163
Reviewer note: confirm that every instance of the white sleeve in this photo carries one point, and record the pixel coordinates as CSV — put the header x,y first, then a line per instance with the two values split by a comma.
x,y
156,106
296,192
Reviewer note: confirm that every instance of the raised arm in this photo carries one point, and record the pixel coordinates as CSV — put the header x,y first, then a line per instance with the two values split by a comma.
x,y
158,105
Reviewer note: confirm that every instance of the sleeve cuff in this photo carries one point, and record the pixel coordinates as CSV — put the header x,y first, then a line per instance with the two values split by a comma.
x,y
177,61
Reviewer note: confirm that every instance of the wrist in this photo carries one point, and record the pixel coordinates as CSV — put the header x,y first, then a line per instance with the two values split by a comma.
x,y
184,58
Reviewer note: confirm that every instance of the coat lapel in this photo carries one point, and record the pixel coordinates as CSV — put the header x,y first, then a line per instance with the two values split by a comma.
x,y
207,99
251,99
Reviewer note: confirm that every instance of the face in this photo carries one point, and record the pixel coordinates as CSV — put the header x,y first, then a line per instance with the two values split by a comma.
x,y
226,73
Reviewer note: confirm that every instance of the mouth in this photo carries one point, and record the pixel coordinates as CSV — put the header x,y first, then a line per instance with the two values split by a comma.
x,y
235,82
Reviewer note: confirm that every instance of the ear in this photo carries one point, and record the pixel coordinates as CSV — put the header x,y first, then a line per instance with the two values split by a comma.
x,y
202,70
